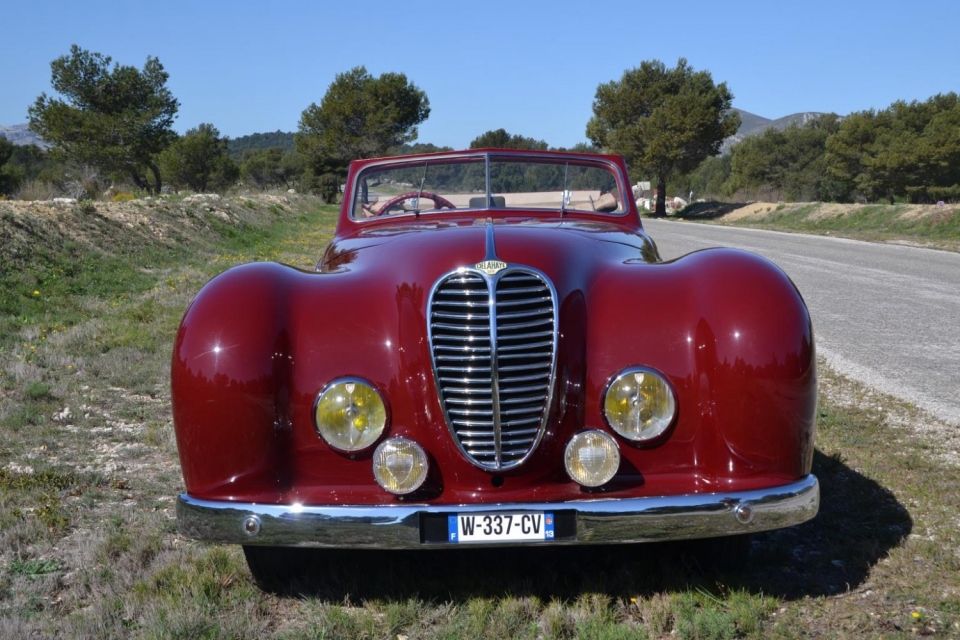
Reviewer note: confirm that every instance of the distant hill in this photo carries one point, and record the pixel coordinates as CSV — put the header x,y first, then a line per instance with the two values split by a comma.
x,y
20,134
752,125
254,141
750,122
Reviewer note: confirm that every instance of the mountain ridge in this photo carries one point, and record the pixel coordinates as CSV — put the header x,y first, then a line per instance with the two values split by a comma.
x,y
20,134
754,125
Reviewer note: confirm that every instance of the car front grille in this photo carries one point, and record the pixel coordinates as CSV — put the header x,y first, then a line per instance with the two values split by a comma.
x,y
494,340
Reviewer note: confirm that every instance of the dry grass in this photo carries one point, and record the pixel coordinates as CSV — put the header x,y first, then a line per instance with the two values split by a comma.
x,y
925,225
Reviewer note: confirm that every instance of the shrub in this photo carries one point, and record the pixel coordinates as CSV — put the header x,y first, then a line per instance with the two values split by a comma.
x,y
329,187
86,207
37,391
38,190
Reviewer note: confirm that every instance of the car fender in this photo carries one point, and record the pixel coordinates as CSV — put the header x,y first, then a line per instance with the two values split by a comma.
x,y
253,350
732,334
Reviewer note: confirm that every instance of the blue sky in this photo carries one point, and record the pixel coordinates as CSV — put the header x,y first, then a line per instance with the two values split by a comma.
x,y
530,67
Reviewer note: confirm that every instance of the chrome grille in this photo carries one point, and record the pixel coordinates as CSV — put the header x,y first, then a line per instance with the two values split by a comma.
x,y
493,340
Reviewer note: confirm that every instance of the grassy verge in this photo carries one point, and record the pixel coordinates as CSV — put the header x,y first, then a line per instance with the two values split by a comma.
x,y
88,473
928,225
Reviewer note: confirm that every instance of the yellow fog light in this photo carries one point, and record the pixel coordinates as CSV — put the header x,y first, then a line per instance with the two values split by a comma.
x,y
639,404
400,465
592,458
350,414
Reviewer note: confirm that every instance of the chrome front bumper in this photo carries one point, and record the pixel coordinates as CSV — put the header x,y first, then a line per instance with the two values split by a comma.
x,y
597,521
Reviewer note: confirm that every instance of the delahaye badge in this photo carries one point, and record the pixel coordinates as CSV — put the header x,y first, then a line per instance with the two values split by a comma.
x,y
490,267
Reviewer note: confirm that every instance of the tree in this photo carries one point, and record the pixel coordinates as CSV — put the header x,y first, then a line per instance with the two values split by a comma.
x,y
20,164
238,146
419,147
199,160
291,169
908,150
790,161
262,167
8,179
940,153
500,139
663,121
270,168
360,116
846,150
709,180
582,147
116,119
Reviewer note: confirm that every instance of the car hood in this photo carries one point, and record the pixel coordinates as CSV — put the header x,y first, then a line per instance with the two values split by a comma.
x,y
424,252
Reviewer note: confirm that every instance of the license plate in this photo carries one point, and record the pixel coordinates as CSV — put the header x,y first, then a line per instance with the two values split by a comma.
x,y
500,527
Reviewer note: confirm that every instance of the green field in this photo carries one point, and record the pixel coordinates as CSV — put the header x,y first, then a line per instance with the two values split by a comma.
x,y
91,299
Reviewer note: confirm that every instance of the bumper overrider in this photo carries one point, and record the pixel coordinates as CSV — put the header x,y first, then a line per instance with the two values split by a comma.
x,y
595,521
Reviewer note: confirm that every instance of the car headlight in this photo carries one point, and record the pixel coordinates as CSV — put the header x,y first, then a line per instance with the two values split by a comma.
x,y
592,458
400,465
350,415
639,404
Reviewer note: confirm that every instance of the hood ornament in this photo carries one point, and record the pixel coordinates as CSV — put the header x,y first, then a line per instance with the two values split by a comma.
x,y
490,265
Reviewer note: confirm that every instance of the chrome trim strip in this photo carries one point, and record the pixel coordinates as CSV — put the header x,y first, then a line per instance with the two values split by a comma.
x,y
490,243
491,280
599,521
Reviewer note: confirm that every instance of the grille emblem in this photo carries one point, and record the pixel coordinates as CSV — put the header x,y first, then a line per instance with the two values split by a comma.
x,y
491,267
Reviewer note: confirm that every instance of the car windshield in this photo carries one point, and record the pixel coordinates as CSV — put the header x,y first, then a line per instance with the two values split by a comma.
x,y
487,181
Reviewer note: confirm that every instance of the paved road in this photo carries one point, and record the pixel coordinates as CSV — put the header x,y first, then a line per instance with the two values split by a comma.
x,y
886,315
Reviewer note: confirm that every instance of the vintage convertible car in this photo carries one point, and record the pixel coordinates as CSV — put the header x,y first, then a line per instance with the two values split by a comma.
x,y
492,352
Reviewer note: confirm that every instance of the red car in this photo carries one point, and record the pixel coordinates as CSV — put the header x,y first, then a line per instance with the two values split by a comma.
x,y
492,352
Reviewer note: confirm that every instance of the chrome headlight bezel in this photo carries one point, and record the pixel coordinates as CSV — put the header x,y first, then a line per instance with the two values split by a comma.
x,y
660,424
330,436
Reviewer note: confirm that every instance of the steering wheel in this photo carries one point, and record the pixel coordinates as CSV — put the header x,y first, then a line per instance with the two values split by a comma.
x,y
439,201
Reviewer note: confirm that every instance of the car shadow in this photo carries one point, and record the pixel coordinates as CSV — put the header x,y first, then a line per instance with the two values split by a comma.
x,y
707,210
858,524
